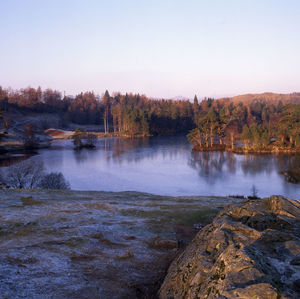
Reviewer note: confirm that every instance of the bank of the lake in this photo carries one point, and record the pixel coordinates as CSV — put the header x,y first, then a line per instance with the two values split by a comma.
x,y
58,134
248,150
14,141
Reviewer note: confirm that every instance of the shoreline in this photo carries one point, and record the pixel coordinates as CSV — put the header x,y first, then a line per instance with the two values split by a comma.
x,y
66,134
246,151
19,147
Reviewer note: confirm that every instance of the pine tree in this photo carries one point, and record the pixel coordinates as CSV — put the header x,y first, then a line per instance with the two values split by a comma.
x,y
246,134
195,109
106,105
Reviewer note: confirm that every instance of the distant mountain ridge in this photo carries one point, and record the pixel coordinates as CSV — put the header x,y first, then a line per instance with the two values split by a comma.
x,y
268,97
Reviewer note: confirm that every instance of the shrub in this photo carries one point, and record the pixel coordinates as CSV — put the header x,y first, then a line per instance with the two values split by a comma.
x,y
24,175
29,174
54,180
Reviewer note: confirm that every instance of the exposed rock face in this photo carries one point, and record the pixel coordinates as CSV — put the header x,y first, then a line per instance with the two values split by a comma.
x,y
251,250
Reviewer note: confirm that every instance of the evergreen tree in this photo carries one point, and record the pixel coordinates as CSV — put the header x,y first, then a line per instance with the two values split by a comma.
x,y
246,134
195,109
106,105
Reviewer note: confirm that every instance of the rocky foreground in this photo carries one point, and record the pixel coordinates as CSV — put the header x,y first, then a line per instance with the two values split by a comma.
x,y
250,250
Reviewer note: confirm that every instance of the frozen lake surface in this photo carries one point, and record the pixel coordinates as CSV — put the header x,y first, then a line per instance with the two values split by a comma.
x,y
167,166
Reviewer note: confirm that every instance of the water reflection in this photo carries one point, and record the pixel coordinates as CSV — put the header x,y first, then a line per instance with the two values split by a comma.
x,y
166,165
136,149
7,160
217,165
209,165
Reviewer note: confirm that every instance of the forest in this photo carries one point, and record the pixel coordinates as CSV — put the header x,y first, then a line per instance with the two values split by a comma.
x,y
258,124
132,114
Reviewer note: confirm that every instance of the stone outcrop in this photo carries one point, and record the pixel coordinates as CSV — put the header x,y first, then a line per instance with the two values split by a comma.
x,y
250,250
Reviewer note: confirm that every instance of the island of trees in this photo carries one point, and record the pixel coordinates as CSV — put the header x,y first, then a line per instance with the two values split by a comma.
x,y
258,126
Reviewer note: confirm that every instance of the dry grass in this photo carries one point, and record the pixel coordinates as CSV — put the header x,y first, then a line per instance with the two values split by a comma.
x,y
125,256
99,236
29,201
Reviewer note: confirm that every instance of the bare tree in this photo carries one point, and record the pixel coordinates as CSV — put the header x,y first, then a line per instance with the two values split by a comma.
x,y
24,175
29,174
54,180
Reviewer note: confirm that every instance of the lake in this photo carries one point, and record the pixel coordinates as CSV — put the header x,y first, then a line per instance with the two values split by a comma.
x,y
167,166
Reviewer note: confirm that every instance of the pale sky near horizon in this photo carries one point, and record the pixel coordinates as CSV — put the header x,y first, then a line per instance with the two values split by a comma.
x,y
159,48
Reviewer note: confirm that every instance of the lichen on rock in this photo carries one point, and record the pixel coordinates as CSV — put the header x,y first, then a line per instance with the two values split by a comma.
x,y
250,250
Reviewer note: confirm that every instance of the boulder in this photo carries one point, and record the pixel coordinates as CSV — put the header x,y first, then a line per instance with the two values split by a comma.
x,y
250,250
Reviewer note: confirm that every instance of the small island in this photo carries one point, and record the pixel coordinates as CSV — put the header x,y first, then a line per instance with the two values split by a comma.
x,y
257,127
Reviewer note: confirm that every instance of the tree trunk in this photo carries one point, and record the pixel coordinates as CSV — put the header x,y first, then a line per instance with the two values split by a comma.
x,y
232,140
104,120
120,122
114,123
107,120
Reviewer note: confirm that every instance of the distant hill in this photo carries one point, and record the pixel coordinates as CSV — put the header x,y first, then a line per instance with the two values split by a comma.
x,y
268,97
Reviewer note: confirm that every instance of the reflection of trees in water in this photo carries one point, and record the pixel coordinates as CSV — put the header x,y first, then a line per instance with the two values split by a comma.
x,y
215,165
288,161
84,155
11,160
267,163
136,149
252,164
231,162
80,156
210,165
116,148
119,147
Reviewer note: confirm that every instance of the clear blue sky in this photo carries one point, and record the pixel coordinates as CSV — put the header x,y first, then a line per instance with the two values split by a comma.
x,y
160,48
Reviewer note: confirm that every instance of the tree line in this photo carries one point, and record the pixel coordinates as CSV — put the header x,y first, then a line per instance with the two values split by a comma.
x,y
210,123
128,113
